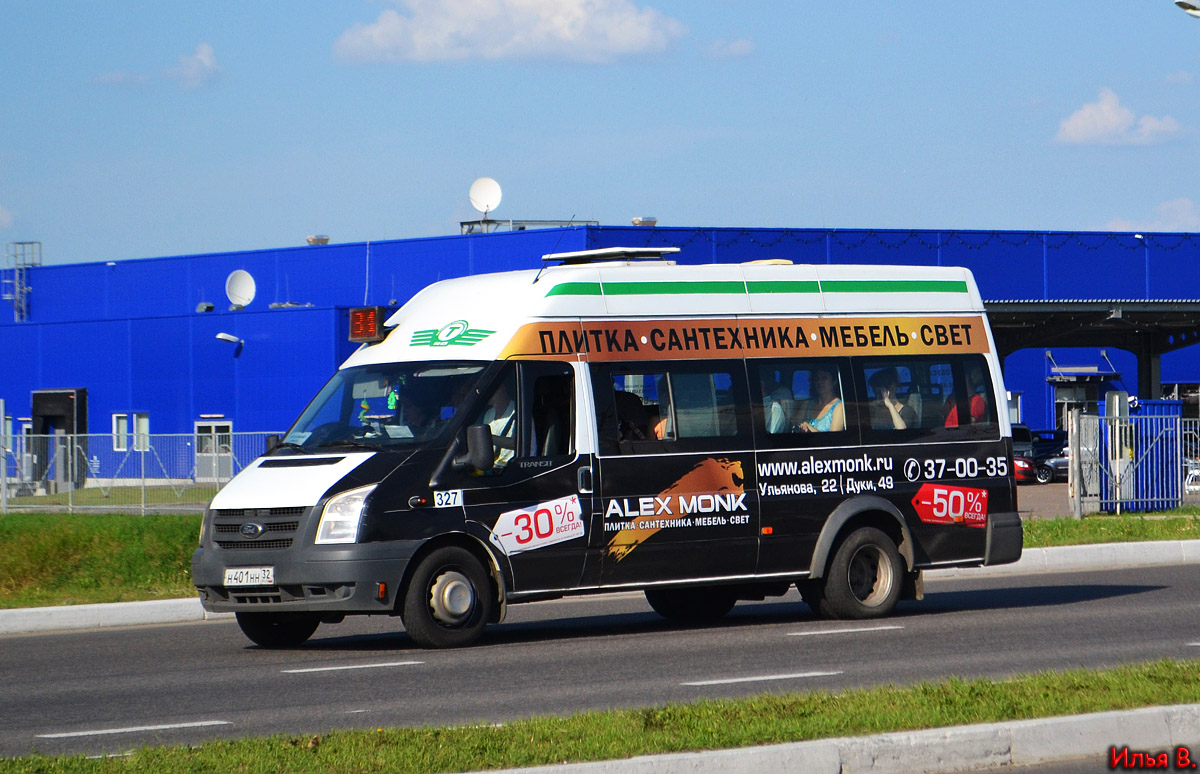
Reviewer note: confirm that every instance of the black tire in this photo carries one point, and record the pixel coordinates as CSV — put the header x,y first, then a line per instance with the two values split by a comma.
x,y
278,630
448,601
865,578
691,605
1045,474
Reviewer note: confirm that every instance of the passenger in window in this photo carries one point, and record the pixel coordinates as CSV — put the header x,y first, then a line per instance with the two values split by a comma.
x,y
777,404
632,417
419,414
887,412
832,414
978,405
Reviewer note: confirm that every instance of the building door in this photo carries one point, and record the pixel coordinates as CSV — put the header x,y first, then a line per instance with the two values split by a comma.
x,y
214,451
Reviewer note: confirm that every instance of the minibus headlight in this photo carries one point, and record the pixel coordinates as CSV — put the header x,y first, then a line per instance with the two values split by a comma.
x,y
341,517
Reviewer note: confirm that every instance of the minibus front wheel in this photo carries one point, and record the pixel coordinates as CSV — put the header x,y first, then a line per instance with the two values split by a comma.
x,y
865,577
448,600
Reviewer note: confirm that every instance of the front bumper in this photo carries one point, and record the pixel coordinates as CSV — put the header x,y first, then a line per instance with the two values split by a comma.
x,y
319,579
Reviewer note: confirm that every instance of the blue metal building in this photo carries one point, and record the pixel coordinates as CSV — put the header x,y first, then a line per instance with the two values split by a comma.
x,y
140,336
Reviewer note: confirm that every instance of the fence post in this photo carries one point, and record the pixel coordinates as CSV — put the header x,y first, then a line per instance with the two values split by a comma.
x,y
3,459
1074,468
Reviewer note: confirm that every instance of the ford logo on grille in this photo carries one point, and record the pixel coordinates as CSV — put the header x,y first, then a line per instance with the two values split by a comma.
x,y
251,530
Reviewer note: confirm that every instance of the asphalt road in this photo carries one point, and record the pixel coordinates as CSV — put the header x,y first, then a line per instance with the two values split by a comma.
x,y
107,691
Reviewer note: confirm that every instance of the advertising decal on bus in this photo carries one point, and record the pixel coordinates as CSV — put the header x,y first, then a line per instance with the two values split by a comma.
x,y
636,339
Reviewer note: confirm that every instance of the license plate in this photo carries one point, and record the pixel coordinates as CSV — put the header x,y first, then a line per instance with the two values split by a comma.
x,y
250,576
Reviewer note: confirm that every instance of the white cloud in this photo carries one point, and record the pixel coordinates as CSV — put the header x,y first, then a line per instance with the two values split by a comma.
x,y
1107,122
1181,214
447,30
197,69
731,49
6,217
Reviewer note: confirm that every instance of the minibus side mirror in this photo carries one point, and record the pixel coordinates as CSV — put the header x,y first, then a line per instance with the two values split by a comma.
x,y
272,443
479,449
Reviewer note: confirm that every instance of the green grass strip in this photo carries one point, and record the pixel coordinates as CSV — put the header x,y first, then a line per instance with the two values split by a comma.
x,y
1046,533
703,725
65,559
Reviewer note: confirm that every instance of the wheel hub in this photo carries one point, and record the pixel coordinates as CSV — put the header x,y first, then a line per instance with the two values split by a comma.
x,y
868,576
451,598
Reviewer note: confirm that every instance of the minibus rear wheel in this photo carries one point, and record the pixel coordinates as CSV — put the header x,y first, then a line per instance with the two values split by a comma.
x,y
278,630
865,577
691,605
448,601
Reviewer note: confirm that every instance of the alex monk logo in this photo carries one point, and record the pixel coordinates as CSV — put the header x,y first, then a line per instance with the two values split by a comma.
x,y
458,332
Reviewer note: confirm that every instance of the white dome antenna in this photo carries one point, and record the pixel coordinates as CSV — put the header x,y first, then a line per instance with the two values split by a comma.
x,y
485,195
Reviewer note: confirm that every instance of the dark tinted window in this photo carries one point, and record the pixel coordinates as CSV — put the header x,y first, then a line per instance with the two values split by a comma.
x,y
667,407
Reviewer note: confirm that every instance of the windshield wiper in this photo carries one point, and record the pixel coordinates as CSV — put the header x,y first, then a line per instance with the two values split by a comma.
x,y
290,445
351,444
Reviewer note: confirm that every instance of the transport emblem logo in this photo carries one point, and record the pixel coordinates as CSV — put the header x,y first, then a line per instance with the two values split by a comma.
x,y
458,332
251,530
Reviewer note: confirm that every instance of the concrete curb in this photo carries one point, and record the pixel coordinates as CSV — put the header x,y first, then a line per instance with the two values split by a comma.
x,y
1101,556
1016,743
1106,556
47,619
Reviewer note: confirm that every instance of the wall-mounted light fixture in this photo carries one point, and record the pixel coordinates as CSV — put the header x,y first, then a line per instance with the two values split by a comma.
x,y
230,338
204,306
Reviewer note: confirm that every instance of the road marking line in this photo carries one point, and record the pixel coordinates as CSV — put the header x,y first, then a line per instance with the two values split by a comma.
x,y
763,678
845,631
353,666
135,729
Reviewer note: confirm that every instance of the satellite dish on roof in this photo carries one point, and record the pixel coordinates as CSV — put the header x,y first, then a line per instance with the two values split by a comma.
x,y
485,195
239,288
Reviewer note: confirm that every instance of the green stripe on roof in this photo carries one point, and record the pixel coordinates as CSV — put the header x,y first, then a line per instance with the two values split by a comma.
x,y
783,286
575,289
893,286
734,287
673,288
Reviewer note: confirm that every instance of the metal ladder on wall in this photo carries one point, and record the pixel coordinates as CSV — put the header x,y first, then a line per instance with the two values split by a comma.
x,y
14,279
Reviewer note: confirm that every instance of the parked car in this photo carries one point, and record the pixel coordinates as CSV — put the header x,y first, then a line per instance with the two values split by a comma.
x,y
1048,443
1024,469
1022,440
1050,455
1053,468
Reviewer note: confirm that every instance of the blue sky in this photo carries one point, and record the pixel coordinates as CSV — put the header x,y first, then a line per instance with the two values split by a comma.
x,y
138,129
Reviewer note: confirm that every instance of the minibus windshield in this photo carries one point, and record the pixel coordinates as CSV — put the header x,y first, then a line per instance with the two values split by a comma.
x,y
386,405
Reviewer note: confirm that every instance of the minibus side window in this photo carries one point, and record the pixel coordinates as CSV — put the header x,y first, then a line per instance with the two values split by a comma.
x,y
680,407
972,404
918,398
903,397
801,402
552,411
499,412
